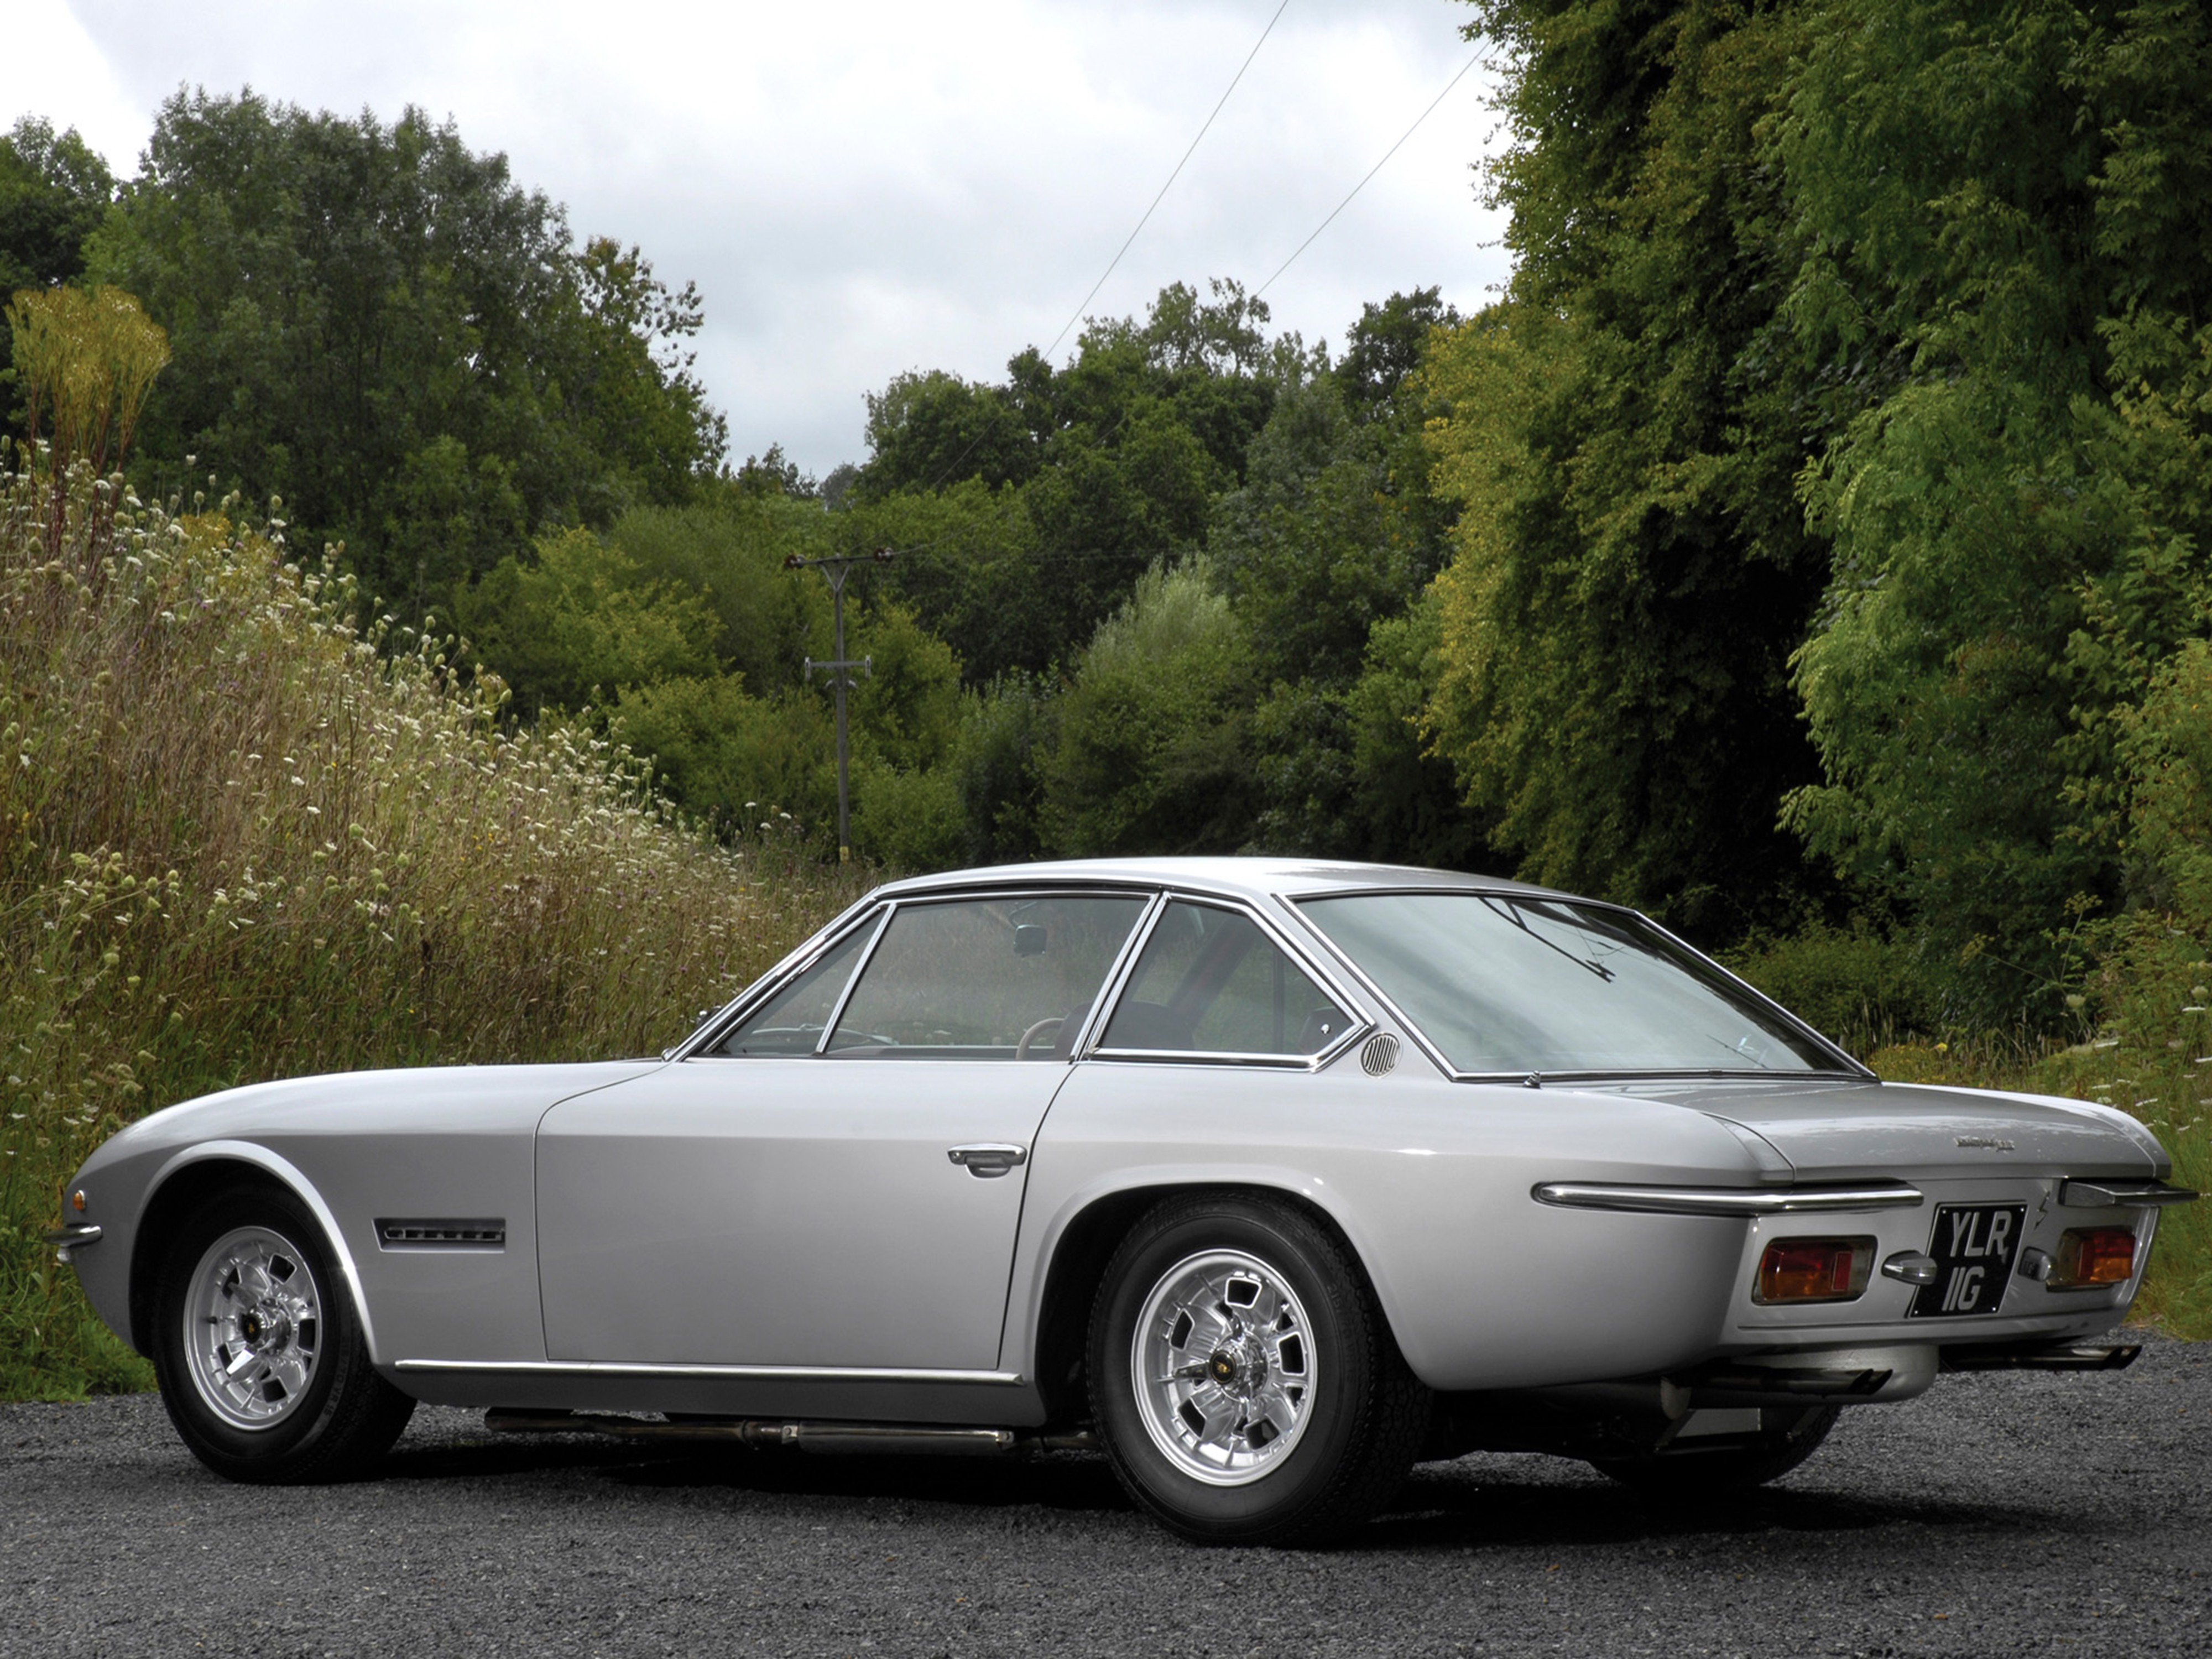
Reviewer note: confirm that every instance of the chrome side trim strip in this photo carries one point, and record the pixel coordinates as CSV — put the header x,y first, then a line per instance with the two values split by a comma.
x,y
733,1373
1727,1200
2104,1194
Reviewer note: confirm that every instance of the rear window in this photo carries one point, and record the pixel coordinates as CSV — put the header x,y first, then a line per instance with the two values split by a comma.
x,y
1510,985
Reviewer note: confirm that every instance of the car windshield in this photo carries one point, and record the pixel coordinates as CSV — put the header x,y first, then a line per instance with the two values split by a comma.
x,y
1509,985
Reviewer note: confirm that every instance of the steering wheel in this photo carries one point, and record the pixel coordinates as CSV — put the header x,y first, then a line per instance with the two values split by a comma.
x,y
1042,1028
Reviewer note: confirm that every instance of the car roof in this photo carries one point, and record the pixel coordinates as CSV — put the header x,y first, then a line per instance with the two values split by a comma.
x,y
1234,877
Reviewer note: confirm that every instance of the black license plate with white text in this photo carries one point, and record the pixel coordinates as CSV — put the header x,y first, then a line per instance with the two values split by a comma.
x,y
1974,1246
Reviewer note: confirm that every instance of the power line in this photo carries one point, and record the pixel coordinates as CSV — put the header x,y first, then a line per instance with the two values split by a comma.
x,y
1172,177
1371,172
946,471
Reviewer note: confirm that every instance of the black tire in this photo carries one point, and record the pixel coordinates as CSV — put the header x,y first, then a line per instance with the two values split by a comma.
x,y
342,1419
1786,1436
1361,1414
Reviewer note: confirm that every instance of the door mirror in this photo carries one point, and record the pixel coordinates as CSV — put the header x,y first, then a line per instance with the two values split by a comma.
x,y
1029,939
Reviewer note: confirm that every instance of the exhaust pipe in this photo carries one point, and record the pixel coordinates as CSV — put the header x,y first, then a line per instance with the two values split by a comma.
x,y
2013,1357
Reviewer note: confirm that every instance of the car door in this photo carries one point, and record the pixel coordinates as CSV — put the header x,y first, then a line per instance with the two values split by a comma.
x,y
838,1184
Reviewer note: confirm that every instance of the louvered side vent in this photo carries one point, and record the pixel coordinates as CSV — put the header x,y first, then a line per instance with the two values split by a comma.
x,y
1380,1055
440,1233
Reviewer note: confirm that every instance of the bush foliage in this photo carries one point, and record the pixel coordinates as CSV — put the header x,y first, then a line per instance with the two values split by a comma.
x,y
241,838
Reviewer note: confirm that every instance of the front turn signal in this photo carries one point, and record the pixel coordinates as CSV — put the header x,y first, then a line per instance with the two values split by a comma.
x,y
2088,1257
1813,1270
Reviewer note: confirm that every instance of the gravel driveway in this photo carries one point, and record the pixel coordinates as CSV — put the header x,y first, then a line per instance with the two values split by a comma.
x,y
1998,1515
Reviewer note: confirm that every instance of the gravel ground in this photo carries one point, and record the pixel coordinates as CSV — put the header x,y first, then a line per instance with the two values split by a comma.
x,y
1997,1515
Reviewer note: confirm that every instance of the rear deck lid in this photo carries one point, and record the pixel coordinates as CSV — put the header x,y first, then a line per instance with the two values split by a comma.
x,y
1835,1129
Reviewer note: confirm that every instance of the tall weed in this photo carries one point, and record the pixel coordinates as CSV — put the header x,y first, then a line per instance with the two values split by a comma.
x,y
242,837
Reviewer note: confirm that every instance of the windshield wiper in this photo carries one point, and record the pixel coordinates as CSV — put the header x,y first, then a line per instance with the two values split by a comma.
x,y
1739,1051
1513,914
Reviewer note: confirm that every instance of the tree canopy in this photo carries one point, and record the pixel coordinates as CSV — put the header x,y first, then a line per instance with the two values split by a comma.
x,y
376,324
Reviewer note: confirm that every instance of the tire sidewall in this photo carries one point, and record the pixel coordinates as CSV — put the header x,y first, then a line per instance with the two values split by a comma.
x,y
1342,1344
252,1453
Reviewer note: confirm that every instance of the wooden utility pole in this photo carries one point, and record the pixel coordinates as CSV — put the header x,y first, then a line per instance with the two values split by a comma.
x,y
840,668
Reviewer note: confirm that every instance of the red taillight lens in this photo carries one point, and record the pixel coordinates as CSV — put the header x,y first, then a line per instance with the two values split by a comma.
x,y
1813,1270
2089,1256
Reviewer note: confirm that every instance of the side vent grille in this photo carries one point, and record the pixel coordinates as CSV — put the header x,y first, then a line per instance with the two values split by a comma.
x,y
1380,1055
438,1233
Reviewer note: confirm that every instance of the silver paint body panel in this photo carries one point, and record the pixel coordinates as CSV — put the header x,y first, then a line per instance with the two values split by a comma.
x,y
789,1211
788,1236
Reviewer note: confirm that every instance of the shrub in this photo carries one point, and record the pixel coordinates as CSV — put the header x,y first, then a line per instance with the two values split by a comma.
x,y
241,838
1856,986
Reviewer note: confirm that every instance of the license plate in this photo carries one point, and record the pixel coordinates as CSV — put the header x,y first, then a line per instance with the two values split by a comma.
x,y
1974,1246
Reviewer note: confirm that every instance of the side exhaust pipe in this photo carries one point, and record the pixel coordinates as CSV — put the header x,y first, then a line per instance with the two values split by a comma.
x,y
2019,1357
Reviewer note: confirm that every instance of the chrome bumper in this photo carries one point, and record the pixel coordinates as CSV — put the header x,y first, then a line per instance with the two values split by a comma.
x,y
66,1239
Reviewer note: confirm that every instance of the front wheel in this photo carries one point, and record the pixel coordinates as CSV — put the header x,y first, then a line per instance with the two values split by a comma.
x,y
262,1363
1243,1380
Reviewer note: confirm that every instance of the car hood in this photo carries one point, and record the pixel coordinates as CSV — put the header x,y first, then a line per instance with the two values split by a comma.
x,y
1842,1129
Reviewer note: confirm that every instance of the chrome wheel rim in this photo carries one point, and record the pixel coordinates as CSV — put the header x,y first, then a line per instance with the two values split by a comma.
x,y
1224,1367
253,1328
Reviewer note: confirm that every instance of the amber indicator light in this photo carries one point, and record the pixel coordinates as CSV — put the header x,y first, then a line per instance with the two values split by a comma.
x,y
2090,1256
77,1200
1813,1270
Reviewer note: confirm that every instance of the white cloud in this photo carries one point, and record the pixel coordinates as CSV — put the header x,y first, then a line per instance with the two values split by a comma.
x,y
50,66
883,186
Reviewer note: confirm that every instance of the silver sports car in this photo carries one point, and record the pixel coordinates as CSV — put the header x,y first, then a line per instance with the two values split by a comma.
x,y
1268,1177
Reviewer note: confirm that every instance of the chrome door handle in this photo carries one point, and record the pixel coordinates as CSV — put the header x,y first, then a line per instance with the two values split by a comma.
x,y
989,1159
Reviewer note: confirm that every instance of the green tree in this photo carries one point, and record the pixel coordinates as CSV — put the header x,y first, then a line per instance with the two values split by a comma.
x,y
1066,485
1633,567
582,621
2003,212
376,323
54,190
1150,753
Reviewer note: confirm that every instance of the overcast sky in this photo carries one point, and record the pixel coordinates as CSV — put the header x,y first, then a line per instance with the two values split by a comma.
x,y
869,188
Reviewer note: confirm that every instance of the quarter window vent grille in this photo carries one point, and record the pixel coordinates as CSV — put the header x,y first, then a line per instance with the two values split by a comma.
x,y
418,1233
1380,1055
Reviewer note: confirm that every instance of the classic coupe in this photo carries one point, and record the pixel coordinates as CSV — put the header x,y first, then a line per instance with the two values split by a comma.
x,y
1267,1177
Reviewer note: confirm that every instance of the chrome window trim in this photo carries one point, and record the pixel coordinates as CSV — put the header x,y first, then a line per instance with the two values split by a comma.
x,y
740,1007
1148,897
1109,988
853,983
1849,1068
1361,1024
812,951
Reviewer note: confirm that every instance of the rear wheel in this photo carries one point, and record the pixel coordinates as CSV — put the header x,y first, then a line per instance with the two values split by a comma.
x,y
1786,1436
262,1363
1242,1381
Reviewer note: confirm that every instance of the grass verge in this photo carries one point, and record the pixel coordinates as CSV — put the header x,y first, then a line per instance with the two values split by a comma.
x,y
242,838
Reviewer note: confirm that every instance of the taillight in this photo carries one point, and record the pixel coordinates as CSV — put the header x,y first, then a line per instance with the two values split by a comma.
x,y
2089,1256
1813,1270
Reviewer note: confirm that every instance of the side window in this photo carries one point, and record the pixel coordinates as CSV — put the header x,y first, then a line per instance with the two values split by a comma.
x,y
791,1021
1210,982
984,978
